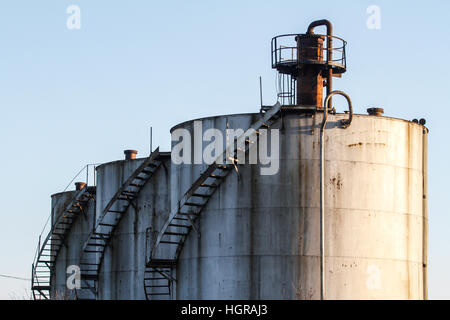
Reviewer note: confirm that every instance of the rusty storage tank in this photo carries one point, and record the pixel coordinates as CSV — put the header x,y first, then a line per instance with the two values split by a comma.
x,y
121,270
343,216
68,251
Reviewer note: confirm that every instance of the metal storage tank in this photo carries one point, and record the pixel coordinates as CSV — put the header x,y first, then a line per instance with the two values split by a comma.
x,y
69,254
260,234
344,217
55,266
121,273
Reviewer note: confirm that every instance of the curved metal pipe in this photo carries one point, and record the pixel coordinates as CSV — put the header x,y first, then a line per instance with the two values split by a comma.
x,y
345,124
319,23
329,26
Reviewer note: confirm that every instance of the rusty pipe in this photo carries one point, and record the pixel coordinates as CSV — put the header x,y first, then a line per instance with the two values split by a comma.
x,y
130,154
329,26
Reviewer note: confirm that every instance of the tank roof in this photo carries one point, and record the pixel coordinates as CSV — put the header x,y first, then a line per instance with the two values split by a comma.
x,y
165,154
256,113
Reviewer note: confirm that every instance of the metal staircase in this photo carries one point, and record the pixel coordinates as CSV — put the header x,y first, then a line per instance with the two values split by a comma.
x,y
160,269
44,263
158,282
94,248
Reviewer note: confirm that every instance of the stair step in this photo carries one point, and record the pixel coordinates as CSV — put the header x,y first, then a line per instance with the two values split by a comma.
x,y
199,195
96,245
195,214
175,233
117,211
179,225
64,223
136,185
222,167
205,185
192,204
161,263
47,288
169,242
180,219
153,165
107,224
215,176
101,234
95,237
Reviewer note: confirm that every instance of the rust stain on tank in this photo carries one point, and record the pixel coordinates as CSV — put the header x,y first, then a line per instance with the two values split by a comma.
x,y
360,144
355,145
337,181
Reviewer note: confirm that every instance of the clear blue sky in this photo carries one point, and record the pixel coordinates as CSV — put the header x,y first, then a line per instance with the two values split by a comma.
x,y
72,97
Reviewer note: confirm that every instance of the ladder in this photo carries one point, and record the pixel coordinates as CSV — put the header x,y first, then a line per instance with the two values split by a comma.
x,y
44,264
94,248
170,240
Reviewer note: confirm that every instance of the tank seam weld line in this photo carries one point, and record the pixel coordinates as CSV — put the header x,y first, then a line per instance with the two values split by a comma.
x,y
353,161
305,256
272,255
331,208
259,256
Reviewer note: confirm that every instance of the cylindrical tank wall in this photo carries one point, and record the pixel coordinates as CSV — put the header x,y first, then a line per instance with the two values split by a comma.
x,y
69,254
260,234
122,271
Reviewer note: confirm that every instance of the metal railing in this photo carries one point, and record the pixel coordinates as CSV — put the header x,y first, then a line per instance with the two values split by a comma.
x,y
284,51
286,90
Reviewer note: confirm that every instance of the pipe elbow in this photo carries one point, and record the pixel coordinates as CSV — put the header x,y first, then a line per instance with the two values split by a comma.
x,y
318,23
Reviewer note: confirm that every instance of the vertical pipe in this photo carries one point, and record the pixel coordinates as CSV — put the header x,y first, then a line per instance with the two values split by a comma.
x,y
32,280
322,214
94,217
329,26
260,92
330,60
322,200
151,140
425,213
